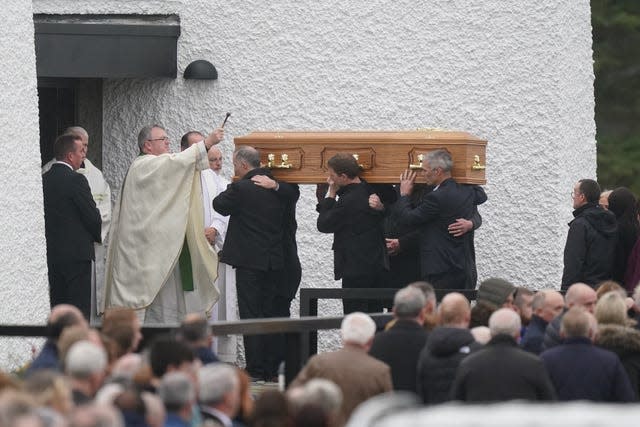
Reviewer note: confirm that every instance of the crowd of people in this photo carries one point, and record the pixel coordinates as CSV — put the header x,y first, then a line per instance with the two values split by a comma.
x,y
187,247
532,346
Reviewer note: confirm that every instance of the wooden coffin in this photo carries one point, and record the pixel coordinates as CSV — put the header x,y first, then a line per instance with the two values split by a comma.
x,y
301,157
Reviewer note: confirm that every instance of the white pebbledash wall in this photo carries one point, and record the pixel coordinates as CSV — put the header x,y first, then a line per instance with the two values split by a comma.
x,y
518,74
23,265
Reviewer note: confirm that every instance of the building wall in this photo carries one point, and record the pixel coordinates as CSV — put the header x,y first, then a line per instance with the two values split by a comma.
x,y
23,275
518,74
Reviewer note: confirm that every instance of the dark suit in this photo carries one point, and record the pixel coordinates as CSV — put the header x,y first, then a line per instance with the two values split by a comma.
x,y
502,371
399,347
447,262
360,253
581,371
254,247
72,225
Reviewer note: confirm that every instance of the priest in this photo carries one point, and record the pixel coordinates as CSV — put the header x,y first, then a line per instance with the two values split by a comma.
x,y
159,261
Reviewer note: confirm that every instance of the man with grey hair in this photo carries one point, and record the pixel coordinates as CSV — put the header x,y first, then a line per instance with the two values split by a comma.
x,y
400,345
447,260
502,371
178,395
254,246
580,370
219,394
159,261
85,365
215,230
358,375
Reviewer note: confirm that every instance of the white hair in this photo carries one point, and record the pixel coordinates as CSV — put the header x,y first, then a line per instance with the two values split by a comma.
x,y
176,389
84,359
77,130
357,328
324,393
504,321
215,381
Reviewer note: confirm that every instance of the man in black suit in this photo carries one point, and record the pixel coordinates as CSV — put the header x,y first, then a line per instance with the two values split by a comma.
x,y
72,225
254,246
400,346
360,254
447,258
502,371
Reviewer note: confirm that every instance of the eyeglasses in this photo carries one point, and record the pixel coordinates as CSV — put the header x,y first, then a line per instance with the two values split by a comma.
x,y
574,194
163,139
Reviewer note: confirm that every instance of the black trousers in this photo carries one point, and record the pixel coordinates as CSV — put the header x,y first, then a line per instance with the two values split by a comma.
x,y
70,283
455,279
256,293
375,280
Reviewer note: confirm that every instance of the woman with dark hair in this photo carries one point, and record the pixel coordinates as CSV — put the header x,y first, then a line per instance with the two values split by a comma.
x,y
623,203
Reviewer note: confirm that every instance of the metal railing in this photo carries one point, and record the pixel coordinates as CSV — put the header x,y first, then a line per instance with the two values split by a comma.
x,y
300,334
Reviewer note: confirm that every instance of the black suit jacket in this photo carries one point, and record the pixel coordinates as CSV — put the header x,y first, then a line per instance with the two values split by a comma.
x,y
72,220
358,234
502,371
399,347
440,252
255,233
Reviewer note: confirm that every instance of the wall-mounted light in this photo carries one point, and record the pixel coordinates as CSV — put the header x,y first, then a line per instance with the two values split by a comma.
x,y
202,70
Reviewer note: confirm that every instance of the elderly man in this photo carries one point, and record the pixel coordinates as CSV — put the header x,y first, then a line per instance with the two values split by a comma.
x,y
447,261
215,230
61,317
160,262
578,294
546,305
178,395
86,367
358,375
254,246
502,371
400,345
219,394
591,241
72,226
446,346
581,371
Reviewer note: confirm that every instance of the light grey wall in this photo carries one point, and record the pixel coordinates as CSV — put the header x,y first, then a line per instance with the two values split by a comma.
x,y
518,74
23,265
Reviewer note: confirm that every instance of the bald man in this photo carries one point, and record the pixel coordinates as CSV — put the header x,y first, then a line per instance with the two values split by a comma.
x,y
61,317
578,295
446,347
546,305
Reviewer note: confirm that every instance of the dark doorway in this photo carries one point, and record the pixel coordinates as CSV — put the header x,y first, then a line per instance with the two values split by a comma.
x,y
70,102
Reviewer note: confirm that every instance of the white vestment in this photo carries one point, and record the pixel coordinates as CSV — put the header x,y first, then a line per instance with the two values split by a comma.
x,y
102,196
225,346
160,205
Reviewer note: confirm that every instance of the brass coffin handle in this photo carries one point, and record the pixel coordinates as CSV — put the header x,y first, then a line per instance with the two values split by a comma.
x,y
284,164
360,165
419,164
476,164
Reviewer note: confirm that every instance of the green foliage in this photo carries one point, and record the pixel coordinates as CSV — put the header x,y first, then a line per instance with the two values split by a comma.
x,y
619,163
616,52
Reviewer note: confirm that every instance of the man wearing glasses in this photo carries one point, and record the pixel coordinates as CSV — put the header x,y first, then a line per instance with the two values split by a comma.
x,y
588,253
160,262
